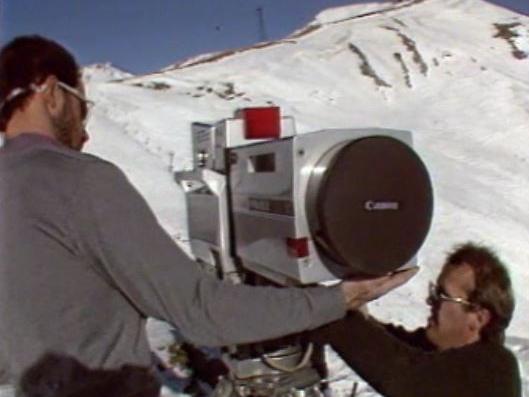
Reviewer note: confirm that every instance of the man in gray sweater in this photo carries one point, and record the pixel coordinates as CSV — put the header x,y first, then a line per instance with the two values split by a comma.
x,y
83,261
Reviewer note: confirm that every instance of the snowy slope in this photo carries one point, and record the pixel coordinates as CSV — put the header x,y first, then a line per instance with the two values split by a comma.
x,y
454,72
104,72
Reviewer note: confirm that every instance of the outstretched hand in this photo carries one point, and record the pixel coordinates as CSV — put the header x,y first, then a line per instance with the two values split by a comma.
x,y
359,292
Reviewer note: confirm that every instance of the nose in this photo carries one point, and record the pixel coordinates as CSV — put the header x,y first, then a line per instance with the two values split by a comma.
x,y
431,301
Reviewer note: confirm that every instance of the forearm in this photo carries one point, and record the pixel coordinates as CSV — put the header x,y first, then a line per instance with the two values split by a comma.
x,y
387,364
222,314
161,281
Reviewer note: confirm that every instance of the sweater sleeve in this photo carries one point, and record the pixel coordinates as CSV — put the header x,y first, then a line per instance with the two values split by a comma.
x,y
144,264
396,369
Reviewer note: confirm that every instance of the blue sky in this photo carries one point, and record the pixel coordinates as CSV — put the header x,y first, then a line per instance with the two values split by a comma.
x,y
146,35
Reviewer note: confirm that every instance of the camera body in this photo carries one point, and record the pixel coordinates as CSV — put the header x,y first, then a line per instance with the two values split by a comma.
x,y
308,208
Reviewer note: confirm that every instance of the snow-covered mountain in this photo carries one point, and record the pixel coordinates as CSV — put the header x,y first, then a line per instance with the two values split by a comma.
x,y
454,72
103,72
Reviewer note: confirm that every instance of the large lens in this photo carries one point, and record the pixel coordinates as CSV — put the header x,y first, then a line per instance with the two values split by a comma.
x,y
369,204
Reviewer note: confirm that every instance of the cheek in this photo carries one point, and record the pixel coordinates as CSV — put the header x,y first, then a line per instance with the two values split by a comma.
x,y
443,314
69,116
73,111
451,316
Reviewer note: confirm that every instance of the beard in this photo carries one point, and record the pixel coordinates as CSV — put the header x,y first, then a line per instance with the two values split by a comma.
x,y
66,128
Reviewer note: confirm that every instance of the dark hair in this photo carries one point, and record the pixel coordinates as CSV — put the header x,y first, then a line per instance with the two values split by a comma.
x,y
493,290
57,375
30,60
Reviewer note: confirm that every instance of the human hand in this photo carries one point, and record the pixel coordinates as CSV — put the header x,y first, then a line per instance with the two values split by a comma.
x,y
359,292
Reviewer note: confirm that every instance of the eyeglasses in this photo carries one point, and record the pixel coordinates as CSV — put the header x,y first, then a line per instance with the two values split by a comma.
x,y
86,104
438,294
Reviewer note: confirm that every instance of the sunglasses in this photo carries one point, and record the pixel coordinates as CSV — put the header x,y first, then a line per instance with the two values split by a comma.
x,y
438,294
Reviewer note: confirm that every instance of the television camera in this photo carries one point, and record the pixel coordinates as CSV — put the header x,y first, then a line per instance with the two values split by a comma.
x,y
269,206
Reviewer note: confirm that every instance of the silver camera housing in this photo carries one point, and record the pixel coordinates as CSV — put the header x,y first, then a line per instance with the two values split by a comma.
x,y
256,204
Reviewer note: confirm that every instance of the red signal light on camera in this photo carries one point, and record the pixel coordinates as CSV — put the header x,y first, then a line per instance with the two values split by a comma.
x,y
261,123
298,247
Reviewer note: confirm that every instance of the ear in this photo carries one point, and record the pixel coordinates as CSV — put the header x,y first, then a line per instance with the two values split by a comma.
x,y
53,95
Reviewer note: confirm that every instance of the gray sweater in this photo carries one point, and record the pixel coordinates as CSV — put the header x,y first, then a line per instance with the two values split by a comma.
x,y
84,262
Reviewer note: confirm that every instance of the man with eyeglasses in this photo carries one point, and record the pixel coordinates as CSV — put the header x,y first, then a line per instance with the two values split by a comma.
x,y
66,126
460,352
83,261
